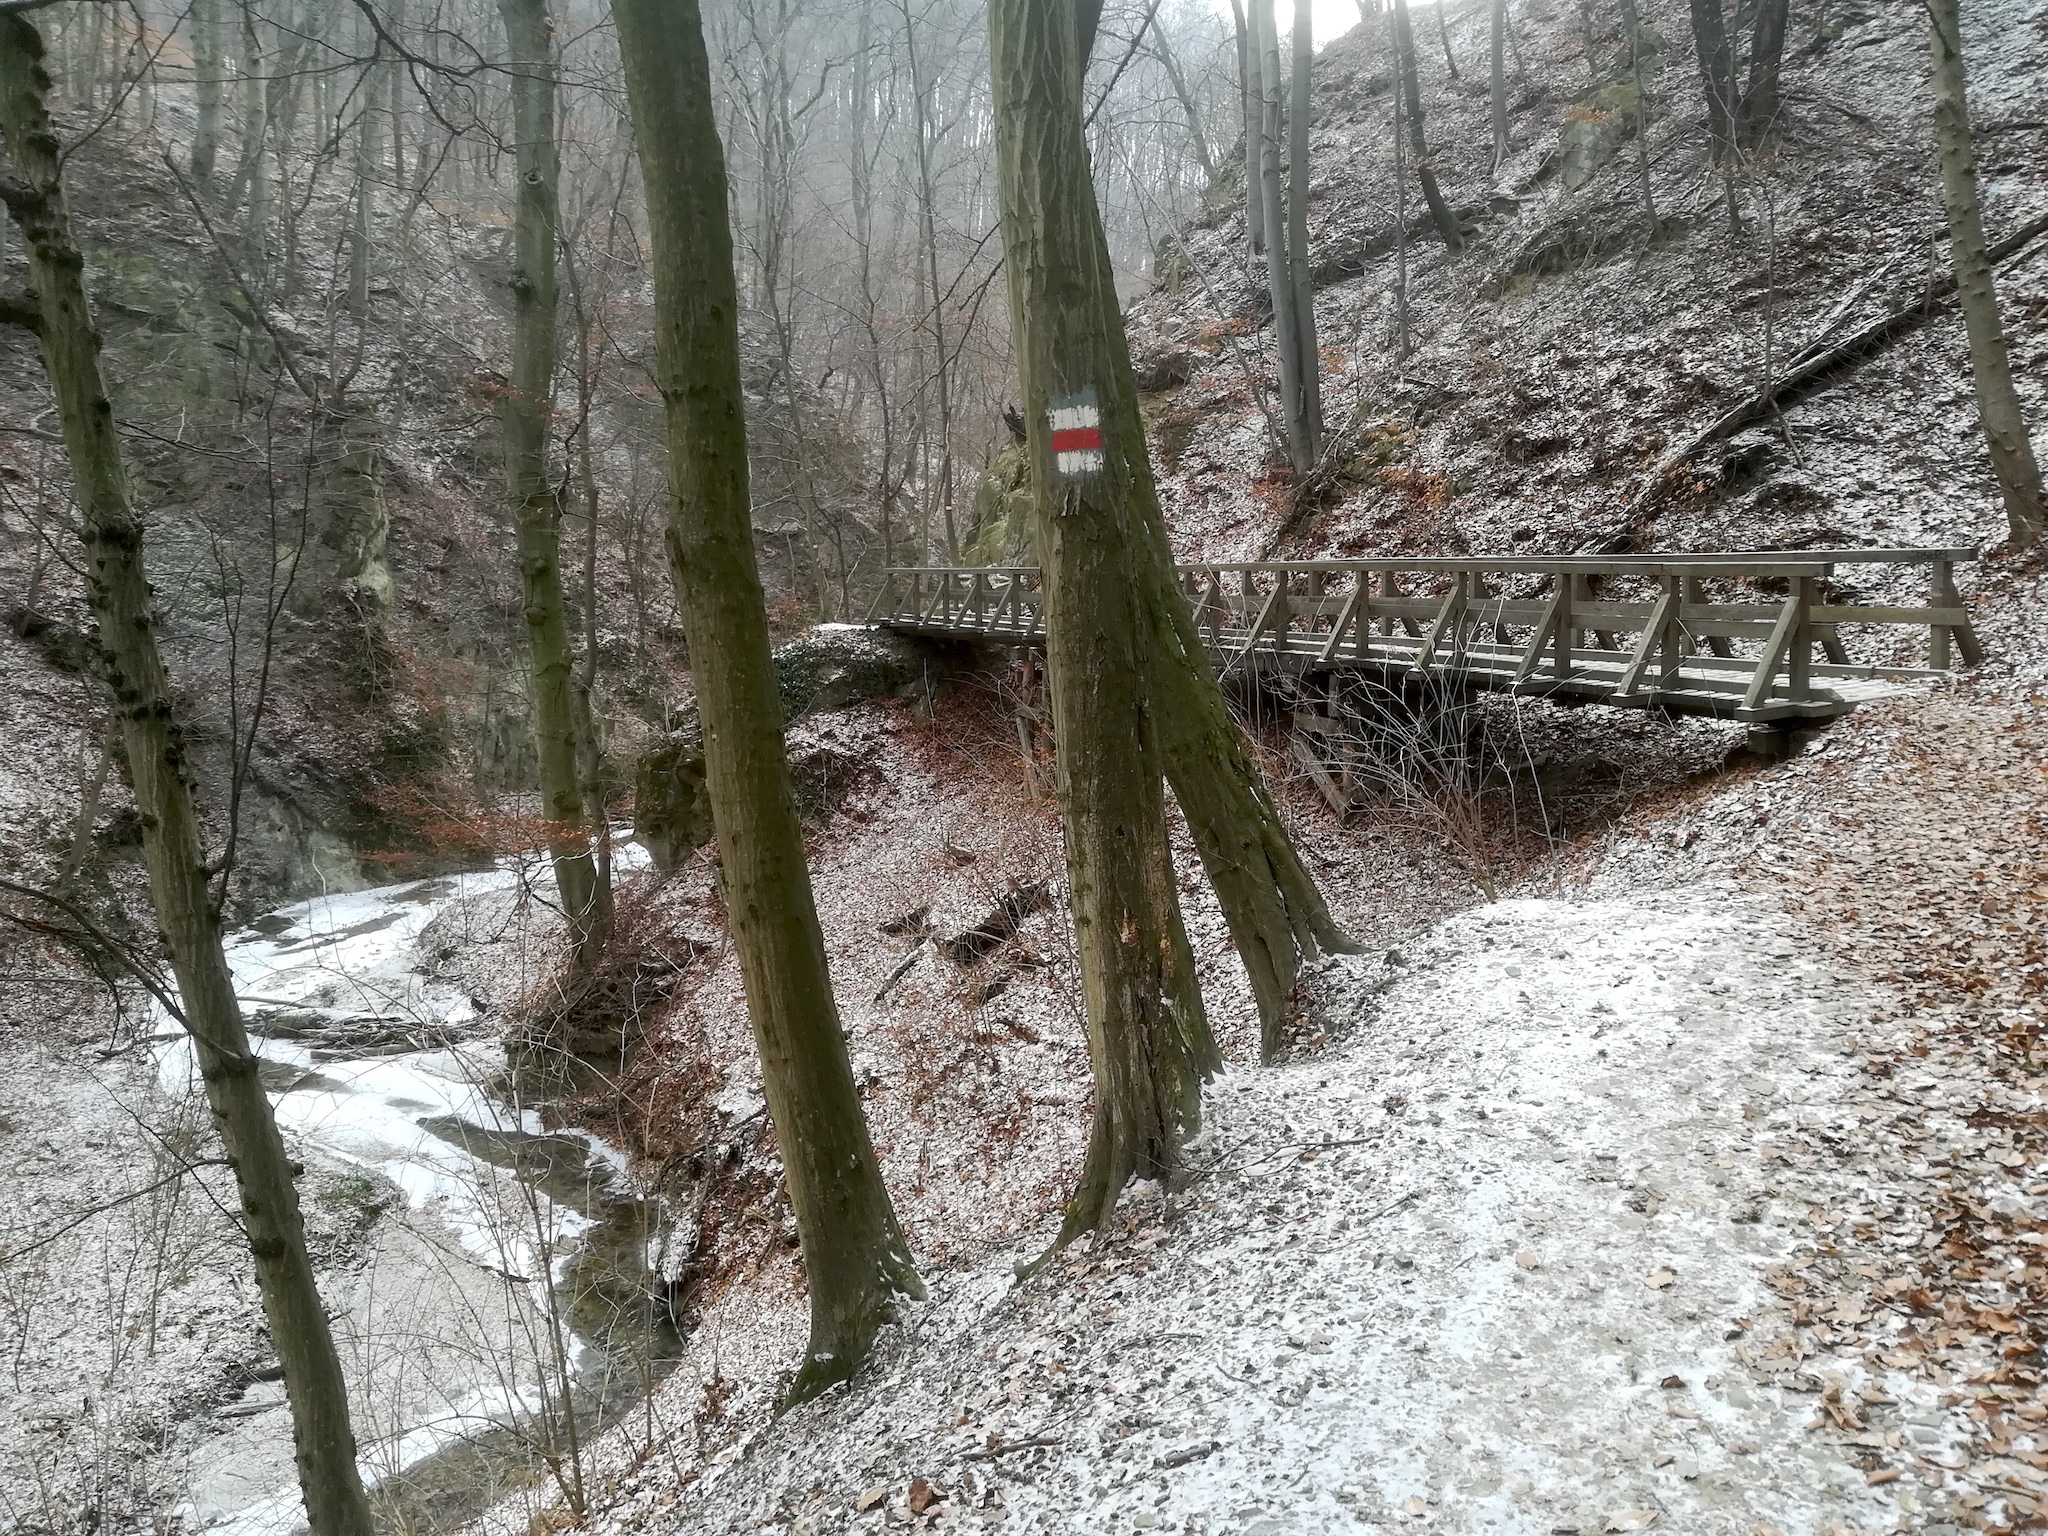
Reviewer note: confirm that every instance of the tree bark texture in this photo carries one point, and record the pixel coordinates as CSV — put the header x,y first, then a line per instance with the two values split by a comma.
x,y
1497,85
526,413
160,769
207,67
1632,25
1252,95
1298,115
1998,403
854,1253
1717,75
1280,286
1758,113
1410,86
1149,1040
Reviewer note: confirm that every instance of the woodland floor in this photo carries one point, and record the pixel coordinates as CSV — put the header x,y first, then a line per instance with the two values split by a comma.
x,y
1695,1185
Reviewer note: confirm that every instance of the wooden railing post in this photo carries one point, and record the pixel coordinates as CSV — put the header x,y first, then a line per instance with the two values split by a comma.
x,y
1799,666
1943,593
1671,652
1567,626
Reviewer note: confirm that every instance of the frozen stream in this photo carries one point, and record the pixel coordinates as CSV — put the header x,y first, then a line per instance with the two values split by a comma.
x,y
503,1265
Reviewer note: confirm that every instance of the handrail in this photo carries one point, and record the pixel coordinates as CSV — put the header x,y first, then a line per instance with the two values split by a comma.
x,y
1425,615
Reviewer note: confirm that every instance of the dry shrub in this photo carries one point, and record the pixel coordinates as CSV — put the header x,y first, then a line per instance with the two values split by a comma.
x,y
597,1011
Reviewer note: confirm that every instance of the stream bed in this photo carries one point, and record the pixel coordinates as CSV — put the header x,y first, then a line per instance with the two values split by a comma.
x,y
503,1301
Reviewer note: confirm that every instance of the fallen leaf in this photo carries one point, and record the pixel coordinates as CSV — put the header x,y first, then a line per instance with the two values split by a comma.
x,y
870,1499
1672,1381
922,1495
1850,1309
1657,1279
1632,1520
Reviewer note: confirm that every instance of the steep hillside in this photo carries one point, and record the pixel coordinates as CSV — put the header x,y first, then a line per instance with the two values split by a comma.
x,y
1566,350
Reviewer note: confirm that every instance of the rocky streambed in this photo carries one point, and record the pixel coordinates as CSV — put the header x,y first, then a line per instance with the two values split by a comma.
x,y
502,1301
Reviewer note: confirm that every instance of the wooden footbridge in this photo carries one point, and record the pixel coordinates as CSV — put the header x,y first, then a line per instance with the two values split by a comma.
x,y
1765,637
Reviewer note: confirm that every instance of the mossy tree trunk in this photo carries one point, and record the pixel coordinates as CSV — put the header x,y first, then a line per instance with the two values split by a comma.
x,y
1998,404
526,413
854,1253
160,769
1149,1039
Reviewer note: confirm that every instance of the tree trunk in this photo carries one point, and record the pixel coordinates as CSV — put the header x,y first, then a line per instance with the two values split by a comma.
x,y
1198,134
1149,1040
1760,99
1443,32
1411,95
1403,341
206,86
1632,24
920,92
854,1253
1717,75
1251,94
1998,404
526,413
1310,355
1498,83
1279,268
160,769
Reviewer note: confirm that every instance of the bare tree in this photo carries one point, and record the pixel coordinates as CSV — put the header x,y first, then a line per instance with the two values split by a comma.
x,y
526,411
1409,84
854,1253
160,771
1998,403
1148,1038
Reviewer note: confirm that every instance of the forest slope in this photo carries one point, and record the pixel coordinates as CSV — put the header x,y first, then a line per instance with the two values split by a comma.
x,y
1564,351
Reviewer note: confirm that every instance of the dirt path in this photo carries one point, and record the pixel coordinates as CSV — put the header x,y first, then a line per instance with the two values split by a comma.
x,y
1910,843
1500,1260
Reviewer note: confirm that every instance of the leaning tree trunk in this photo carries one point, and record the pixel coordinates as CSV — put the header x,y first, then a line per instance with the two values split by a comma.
x,y
1998,404
1410,87
1149,1039
854,1253
1308,355
1275,914
526,411
1279,267
160,771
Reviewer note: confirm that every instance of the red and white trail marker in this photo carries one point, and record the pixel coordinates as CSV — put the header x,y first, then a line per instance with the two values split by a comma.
x,y
1076,434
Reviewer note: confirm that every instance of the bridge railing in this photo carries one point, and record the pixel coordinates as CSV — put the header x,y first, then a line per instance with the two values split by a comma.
x,y
1750,634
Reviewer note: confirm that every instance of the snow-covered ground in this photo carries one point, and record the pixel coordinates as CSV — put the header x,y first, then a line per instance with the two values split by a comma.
x,y
388,1079
1498,1259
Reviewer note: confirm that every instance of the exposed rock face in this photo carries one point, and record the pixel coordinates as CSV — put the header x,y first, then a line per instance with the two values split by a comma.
x,y
828,669
999,523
